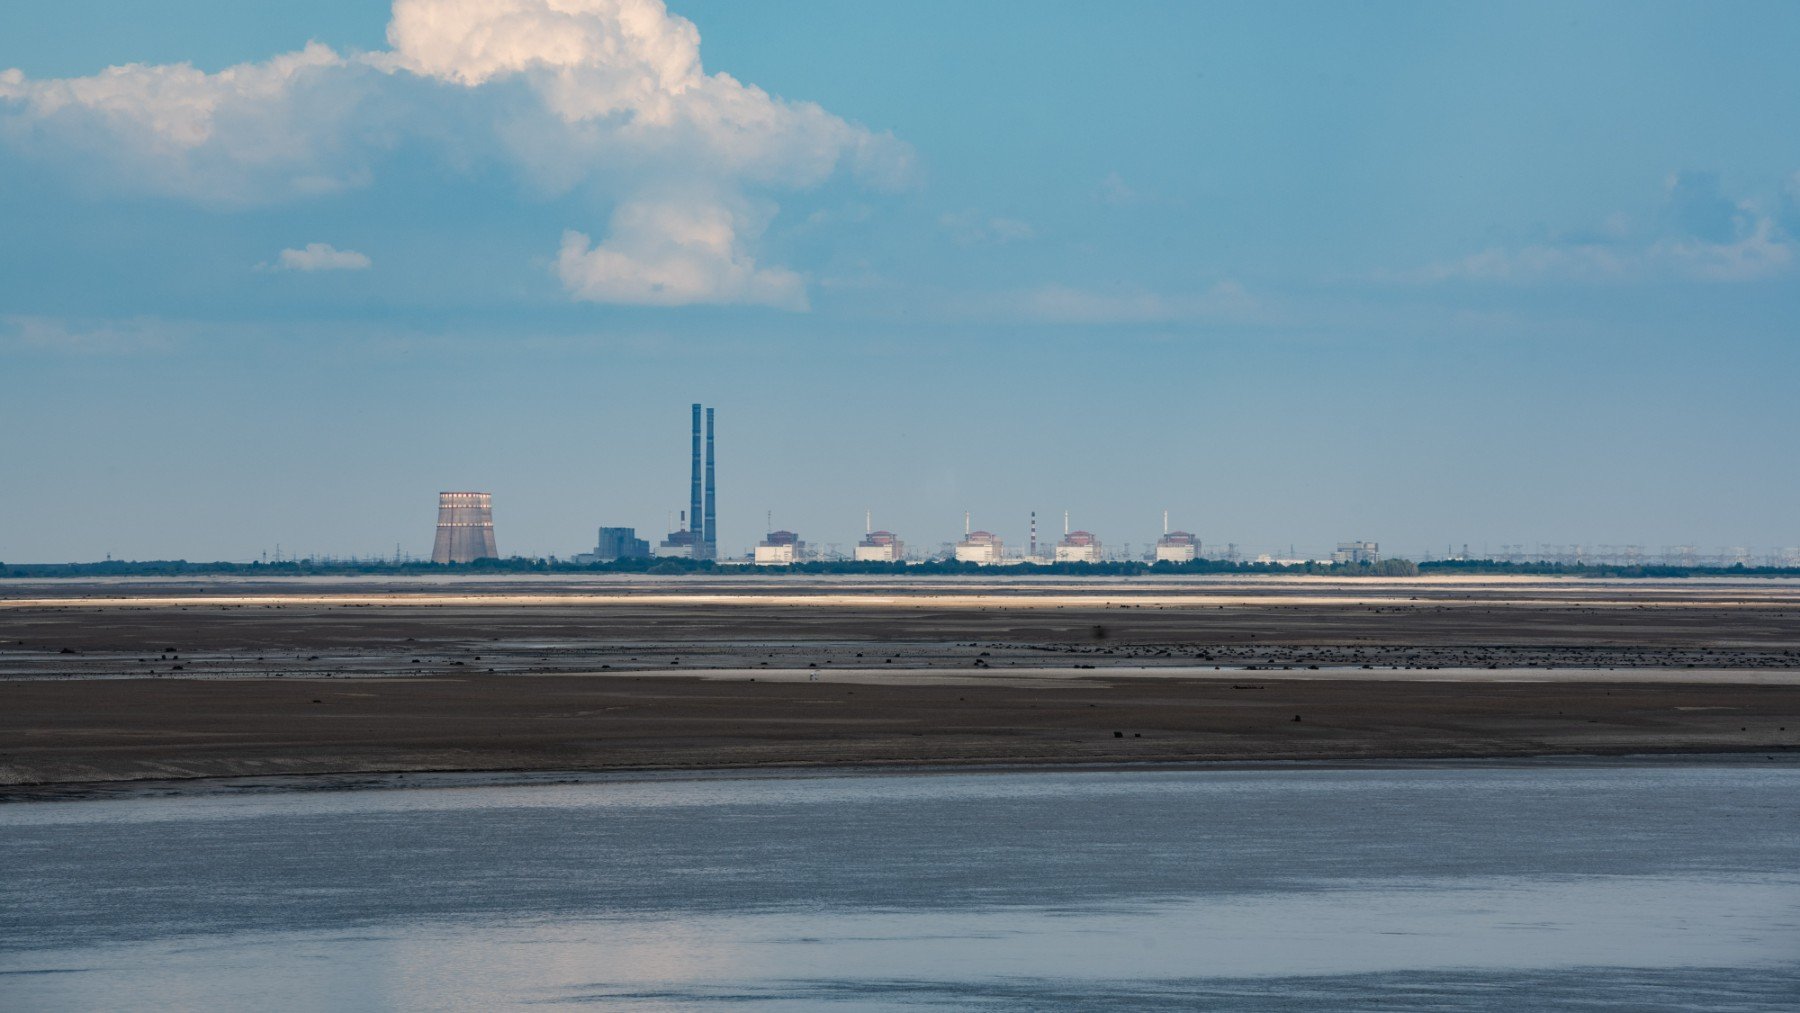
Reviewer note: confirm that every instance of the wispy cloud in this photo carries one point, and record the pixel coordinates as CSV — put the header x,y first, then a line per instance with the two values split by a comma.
x,y
972,228
1116,192
320,257
1224,301
104,337
1699,234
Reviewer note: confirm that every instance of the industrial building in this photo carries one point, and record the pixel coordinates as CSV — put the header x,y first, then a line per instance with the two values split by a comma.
x,y
982,547
878,546
1357,552
616,543
1176,546
465,528
779,548
1077,546
682,543
700,538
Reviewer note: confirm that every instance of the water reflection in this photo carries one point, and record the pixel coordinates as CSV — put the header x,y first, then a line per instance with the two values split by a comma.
x,y
1449,887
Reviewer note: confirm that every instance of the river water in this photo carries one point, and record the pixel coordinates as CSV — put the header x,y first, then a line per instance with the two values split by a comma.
x,y
1586,885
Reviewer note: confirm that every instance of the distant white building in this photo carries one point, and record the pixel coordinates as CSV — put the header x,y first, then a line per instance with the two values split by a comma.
x,y
679,545
1357,552
780,548
880,547
1078,547
979,547
1177,547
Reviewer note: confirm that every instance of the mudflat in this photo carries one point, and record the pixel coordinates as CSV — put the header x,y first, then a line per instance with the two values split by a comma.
x,y
107,681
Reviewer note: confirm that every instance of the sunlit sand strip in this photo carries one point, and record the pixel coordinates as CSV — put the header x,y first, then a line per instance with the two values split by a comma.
x,y
1047,677
865,600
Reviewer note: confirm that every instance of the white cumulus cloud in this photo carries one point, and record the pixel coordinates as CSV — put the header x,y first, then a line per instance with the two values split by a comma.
x,y
321,257
671,254
606,95
249,134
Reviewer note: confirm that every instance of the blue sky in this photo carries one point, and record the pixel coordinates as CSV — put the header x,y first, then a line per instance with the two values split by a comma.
x,y
1299,273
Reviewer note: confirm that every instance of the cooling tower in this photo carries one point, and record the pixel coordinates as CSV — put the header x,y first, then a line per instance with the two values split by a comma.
x,y
465,528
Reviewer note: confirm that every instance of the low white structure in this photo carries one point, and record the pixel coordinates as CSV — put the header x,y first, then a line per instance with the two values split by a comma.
x,y
774,555
1357,552
981,547
682,543
1176,546
878,546
1077,546
780,548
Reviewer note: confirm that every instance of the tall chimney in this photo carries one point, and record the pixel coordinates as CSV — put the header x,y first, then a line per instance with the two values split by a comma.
x,y
1034,533
710,536
694,504
965,524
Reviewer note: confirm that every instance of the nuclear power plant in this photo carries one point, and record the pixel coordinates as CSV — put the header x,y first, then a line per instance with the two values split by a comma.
x,y
465,528
465,533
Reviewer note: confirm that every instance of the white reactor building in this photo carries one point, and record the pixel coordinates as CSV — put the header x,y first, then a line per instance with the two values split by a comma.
x,y
780,548
1077,546
1176,546
879,546
978,546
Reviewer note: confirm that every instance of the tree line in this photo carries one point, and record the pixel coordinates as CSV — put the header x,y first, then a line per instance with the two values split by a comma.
x,y
936,567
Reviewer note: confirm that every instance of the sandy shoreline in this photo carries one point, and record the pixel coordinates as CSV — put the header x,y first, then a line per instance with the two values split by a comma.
x,y
84,731
176,680
234,787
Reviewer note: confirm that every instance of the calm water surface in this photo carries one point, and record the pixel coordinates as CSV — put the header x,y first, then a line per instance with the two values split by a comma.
x,y
1591,886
